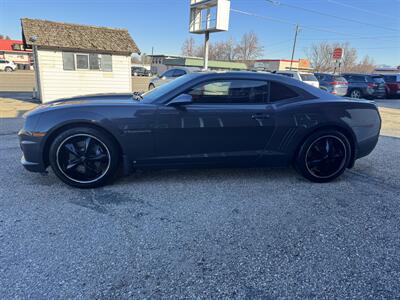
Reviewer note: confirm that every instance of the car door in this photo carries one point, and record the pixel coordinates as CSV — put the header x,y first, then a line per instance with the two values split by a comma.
x,y
2,64
228,121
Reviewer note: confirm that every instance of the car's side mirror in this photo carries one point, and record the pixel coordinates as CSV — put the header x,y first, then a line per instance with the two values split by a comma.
x,y
182,99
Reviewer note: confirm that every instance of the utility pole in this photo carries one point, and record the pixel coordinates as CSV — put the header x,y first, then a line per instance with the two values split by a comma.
x,y
294,45
206,46
207,39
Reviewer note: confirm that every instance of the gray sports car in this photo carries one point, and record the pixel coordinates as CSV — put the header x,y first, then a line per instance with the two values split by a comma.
x,y
201,119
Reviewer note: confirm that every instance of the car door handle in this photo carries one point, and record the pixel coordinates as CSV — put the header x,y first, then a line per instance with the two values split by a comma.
x,y
261,116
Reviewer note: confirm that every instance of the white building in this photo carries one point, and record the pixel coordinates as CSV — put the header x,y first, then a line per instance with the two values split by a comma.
x,y
72,60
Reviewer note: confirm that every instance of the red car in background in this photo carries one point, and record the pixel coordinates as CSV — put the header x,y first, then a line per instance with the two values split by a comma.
x,y
393,85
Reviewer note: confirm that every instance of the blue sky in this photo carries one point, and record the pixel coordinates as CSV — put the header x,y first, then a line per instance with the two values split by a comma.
x,y
163,24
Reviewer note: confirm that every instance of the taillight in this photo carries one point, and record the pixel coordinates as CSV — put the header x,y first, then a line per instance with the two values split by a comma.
x,y
338,83
372,85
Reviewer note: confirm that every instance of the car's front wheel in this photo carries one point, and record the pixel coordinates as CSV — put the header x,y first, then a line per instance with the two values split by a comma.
x,y
84,157
323,156
8,69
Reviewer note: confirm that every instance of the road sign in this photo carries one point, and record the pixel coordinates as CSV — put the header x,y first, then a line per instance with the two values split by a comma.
x,y
337,53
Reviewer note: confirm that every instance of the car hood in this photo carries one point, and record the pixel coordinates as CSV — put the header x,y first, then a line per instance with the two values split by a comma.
x,y
86,100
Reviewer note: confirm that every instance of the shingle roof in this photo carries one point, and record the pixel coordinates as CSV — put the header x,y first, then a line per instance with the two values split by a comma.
x,y
50,34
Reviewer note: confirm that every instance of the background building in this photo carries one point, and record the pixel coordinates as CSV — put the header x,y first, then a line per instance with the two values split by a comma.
x,y
161,63
14,50
282,64
72,60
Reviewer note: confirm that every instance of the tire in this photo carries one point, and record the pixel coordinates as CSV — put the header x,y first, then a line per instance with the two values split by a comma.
x,y
84,157
151,86
8,69
356,93
323,156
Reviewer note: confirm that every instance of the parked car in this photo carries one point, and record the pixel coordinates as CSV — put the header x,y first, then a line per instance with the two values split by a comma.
x,y
201,119
7,66
308,78
170,75
364,86
393,84
333,84
140,71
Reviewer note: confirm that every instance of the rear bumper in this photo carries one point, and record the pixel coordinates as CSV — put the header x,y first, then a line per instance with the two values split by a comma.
x,y
365,147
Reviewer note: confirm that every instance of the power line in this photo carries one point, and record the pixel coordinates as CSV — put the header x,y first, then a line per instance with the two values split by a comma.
x,y
291,23
329,15
355,38
361,9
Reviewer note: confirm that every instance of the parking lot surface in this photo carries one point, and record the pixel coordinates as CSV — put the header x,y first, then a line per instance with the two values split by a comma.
x,y
211,233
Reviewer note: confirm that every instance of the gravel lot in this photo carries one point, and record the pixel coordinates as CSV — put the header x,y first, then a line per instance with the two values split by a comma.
x,y
225,233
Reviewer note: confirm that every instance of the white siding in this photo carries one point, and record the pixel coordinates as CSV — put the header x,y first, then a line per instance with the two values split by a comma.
x,y
57,83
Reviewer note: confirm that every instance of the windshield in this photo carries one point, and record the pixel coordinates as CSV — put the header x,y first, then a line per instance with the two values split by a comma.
x,y
154,94
308,77
378,79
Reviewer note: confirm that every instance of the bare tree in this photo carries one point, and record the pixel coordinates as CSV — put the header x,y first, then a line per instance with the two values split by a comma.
x,y
249,48
189,47
366,65
4,37
320,56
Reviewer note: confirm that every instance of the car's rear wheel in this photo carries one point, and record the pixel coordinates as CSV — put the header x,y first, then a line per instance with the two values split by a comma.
x,y
151,86
324,156
357,94
84,157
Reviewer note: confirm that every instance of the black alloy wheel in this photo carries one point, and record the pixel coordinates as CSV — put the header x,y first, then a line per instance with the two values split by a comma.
x,y
324,156
84,157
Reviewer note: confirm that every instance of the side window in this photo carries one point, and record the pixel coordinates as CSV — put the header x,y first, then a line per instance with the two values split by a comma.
x,y
231,91
168,73
358,78
280,91
178,73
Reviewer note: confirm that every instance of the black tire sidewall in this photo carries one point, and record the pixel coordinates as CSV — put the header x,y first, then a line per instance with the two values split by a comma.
x,y
300,162
103,137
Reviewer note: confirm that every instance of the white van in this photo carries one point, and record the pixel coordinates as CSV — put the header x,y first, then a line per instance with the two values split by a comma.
x,y
302,76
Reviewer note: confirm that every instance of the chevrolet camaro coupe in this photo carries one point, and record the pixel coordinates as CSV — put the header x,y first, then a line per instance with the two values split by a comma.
x,y
201,119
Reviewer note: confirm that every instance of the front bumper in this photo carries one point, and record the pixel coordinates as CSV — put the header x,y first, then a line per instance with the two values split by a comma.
x,y
31,147
32,166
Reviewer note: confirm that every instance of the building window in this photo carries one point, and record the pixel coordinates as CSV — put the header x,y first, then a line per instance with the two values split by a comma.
x,y
94,61
82,61
68,61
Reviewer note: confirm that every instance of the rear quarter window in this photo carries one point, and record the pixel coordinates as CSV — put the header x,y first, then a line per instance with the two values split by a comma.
x,y
280,91
308,77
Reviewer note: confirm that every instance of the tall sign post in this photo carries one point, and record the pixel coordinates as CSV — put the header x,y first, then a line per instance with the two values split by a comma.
x,y
337,55
208,16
